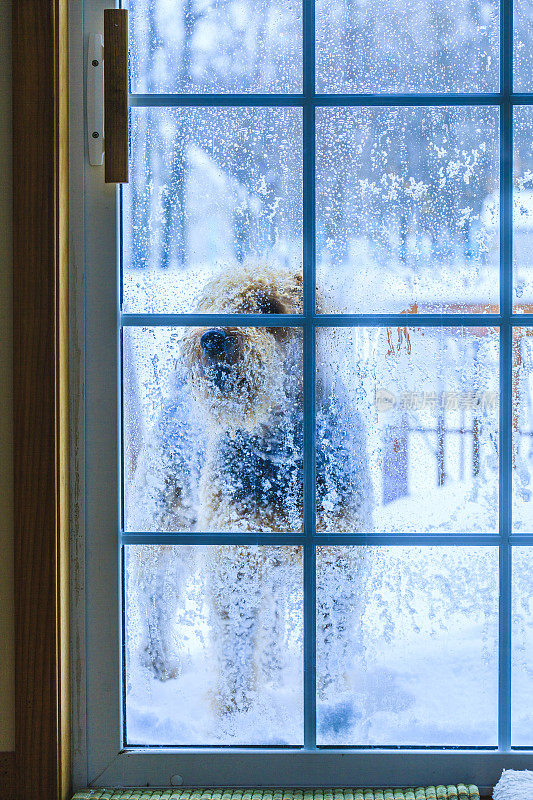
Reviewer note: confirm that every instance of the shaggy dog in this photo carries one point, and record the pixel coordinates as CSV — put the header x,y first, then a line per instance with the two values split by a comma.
x,y
229,450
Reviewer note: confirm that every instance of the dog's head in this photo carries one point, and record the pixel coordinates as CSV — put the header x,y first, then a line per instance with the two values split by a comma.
x,y
242,375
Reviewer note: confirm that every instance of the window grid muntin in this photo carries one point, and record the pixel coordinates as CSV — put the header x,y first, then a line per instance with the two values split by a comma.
x,y
309,321
505,432
388,539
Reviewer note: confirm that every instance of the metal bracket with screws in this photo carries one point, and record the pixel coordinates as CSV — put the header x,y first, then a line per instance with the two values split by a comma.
x,y
95,100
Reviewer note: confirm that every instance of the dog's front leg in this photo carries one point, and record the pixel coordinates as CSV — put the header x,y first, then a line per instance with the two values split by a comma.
x,y
340,654
161,571
235,605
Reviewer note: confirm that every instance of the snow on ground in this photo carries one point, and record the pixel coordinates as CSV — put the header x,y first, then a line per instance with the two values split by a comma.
x,y
440,691
422,671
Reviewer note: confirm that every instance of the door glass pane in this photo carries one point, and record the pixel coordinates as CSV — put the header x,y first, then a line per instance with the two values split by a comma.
x,y
407,430
407,209
220,46
522,422
523,36
210,189
213,639
522,648
407,418
523,211
407,645
413,46
213,429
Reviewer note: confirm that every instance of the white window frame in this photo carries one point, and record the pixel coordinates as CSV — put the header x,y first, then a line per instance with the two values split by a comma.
x,y
99,757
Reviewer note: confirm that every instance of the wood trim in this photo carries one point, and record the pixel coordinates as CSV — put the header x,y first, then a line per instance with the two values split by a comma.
x,y
116,95
40,247
7,776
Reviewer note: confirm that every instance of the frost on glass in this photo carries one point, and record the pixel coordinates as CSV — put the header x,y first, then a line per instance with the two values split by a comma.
x,y
213,429
407,209
344,491
221,46
420,409
522,648
407,646
407,46
210,189
523,35
213,645
523,211
522,430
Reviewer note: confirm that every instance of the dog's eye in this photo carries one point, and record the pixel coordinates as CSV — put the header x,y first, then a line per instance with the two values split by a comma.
x,y
269,305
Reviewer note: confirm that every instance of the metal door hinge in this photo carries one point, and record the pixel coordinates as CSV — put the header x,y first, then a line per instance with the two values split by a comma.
x,y
107,96
95,99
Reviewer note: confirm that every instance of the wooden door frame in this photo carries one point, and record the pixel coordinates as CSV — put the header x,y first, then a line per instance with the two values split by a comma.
x,y
40,338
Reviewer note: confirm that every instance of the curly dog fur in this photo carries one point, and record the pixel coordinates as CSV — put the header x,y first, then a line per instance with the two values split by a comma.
x,y
230,453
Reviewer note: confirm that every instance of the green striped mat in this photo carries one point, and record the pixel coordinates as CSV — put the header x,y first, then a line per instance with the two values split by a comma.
x,y
459,792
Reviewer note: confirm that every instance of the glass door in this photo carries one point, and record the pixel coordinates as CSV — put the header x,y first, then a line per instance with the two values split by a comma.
x,y
322,373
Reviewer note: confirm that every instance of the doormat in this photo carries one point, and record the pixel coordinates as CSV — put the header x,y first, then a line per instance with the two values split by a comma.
x,y
459,792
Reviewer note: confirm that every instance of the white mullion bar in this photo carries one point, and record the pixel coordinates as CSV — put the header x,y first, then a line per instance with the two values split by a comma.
x,y
388,539
316,320
309,377
275,100
506,335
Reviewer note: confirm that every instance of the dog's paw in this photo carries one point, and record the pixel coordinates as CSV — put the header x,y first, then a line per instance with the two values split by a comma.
x,y
225,704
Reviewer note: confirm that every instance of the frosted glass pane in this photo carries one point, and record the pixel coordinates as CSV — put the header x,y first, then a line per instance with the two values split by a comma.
x,y
522,648
522,430
407,646
523,211
213,429
407,209
210,189
213,639
219,46
408,46
407,430
523,36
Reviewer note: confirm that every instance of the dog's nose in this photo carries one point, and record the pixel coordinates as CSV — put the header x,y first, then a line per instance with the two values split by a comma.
x,y
216,342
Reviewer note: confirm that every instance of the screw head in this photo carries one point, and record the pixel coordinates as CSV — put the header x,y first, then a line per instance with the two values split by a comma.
x,y
95,62
95,134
